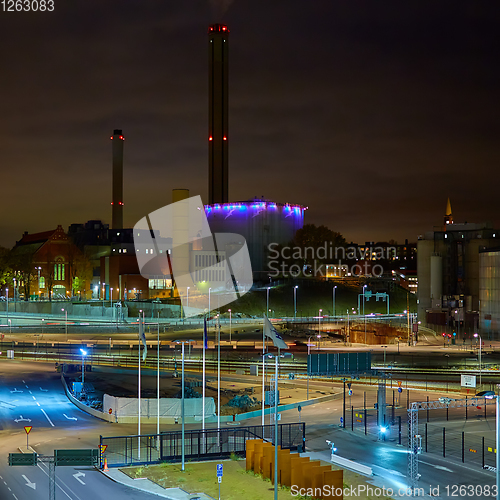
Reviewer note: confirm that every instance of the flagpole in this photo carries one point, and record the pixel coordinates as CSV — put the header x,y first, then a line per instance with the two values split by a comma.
x,y
276,429
139,393
218,374
182,409
203,389
263,372
158,382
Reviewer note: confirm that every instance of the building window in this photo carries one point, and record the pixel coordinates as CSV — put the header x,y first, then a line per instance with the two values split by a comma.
x,y
59,272
41,283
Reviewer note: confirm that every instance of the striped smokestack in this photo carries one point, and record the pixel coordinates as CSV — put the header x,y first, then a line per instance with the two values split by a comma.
x,y
217,113
117,195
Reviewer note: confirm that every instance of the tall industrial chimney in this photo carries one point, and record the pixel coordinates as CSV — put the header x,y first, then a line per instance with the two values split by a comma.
x,y
217,113
117,195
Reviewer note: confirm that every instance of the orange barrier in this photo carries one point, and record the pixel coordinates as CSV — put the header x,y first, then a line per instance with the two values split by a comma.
x,y
294,470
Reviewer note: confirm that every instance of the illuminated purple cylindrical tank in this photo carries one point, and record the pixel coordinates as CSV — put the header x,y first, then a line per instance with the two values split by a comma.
x,y
261,223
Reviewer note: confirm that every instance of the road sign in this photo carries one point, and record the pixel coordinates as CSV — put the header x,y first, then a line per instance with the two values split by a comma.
x,y
220,479
103,447
219,470
400,383
348,385
468,380
75,457
28,428
299,408
22,458
110,411
400,390
350,392
341,420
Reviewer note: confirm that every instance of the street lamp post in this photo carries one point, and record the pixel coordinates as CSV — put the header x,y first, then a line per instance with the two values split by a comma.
x,y
295,301
84,353
334,312
7,292
66,321
209,303
476,335
319,321
187,297
364,286
308,352
230,329
267,299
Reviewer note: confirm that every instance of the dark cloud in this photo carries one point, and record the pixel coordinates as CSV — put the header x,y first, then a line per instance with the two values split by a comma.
x,y
370,113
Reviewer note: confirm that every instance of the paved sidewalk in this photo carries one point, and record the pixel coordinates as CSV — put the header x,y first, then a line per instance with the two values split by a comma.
x,y
148,486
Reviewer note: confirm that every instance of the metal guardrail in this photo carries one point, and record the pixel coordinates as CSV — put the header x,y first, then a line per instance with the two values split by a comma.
x,y
200,444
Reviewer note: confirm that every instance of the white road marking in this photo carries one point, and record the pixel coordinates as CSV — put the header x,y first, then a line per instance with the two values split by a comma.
x,y
15,390
27,387
38,403
440,467
78,475
30,392
44,390
9,488
24,382
33,398
21,419
59,485
15,496
29,483
69,418
50,421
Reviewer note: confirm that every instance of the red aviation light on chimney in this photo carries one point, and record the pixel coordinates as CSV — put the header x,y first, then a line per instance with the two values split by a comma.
x,y
122,138
225,138
210,138
218,28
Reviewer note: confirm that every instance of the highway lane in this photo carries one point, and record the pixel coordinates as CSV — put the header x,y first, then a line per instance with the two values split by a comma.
x,y
34,391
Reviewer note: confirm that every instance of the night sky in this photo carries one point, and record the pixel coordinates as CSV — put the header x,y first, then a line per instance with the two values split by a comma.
x,y
371,113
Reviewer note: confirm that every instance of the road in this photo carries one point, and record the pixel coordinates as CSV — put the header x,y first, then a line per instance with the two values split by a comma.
x,y
31,394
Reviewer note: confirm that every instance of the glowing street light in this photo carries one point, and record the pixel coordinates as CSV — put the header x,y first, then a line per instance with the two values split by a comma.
x,y
295,301
84,353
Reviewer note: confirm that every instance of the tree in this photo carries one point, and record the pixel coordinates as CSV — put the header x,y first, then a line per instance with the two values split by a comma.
x,y
318,245
24,269
5,266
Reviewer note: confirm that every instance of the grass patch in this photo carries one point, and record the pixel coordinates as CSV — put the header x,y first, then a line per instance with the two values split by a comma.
x,y
237,482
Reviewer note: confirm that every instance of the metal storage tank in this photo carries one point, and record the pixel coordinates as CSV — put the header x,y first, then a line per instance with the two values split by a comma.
x,y
260,222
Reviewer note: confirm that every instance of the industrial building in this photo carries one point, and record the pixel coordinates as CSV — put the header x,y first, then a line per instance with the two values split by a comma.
x,y
489,291
448,263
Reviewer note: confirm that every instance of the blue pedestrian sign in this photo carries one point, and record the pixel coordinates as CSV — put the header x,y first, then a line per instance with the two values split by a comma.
x,y
341,420
219,470
399,389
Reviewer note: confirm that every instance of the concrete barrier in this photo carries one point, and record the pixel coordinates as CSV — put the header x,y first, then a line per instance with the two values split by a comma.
x,y
85,408
349,464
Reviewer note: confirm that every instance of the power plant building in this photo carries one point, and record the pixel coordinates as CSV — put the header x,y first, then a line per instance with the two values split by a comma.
x,y
448,264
